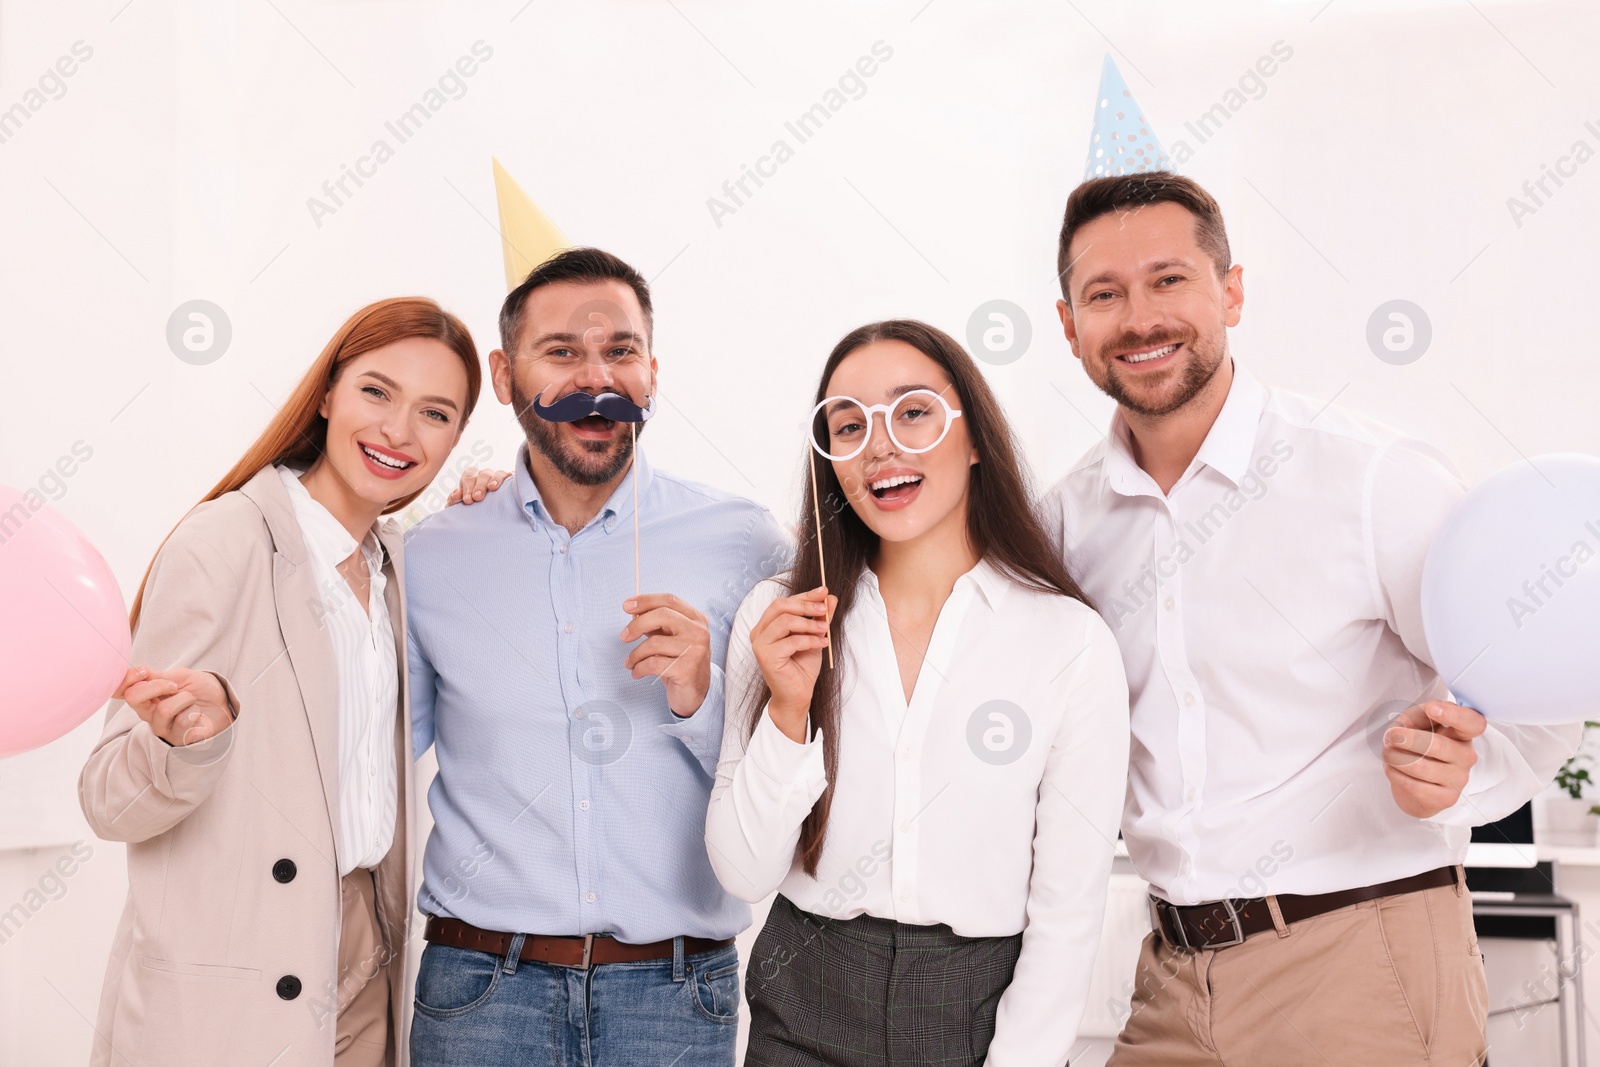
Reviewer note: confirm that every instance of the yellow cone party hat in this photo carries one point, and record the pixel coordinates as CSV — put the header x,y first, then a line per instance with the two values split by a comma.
x,y
527,236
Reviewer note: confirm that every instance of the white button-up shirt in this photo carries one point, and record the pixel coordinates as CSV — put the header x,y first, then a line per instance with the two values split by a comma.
x,y
1269,613
989,801
369,680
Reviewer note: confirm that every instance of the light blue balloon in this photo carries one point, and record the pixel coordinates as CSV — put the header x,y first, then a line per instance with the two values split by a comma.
x,y
1511,593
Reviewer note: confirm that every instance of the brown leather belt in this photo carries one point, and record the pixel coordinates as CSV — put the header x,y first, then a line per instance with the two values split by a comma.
x,y
1229,922
577,952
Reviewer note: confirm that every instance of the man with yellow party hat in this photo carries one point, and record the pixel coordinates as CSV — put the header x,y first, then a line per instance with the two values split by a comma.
x,y
567,636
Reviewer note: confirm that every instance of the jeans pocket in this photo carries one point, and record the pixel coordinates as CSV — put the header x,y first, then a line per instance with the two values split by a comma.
x,y
454,981
714,985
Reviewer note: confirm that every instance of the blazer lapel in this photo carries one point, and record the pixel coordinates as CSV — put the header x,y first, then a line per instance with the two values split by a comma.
x,y
310,651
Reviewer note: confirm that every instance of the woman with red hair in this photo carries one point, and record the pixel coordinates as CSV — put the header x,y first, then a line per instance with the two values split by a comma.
x,y
258,758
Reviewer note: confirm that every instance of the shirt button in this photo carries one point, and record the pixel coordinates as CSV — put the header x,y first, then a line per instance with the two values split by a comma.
x,y
589,897
1169,603
580,713
905,894
906,755
563,550
905,827
584,804
1191,794
568,627
1188,698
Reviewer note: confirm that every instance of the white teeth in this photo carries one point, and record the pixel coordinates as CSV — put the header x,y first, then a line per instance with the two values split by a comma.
x,y
899,479
392,464
1157,354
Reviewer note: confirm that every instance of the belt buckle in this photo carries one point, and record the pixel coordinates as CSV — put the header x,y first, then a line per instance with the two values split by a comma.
x,y
588,950
1177,924
1233,920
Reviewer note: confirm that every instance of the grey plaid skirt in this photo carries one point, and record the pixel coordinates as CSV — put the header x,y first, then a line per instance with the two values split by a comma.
x,y
869,992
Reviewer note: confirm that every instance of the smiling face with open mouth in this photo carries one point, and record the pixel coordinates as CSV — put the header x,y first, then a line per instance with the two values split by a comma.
x,y
1149,312
901,495
393,416
587,337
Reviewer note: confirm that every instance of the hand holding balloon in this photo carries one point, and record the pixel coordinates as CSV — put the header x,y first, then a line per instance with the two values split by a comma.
x,y
182,706
1428,753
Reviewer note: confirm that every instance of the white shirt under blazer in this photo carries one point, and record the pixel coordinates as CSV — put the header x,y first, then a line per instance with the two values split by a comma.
x,y
988,802
363,642
1269,613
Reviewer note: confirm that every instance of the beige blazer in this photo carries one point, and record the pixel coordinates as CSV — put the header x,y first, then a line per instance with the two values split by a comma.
x,y
226,953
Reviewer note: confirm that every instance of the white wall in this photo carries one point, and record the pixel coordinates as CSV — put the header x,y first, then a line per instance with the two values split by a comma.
x,y
1375,164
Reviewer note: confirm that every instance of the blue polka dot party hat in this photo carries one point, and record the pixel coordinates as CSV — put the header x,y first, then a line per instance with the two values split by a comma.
x,y
1123,141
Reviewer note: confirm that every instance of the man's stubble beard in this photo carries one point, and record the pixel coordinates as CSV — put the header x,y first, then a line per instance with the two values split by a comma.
x,y
1194,375
596,462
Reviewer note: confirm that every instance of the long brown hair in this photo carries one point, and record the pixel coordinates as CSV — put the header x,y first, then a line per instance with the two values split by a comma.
x,y
1002,527
297,434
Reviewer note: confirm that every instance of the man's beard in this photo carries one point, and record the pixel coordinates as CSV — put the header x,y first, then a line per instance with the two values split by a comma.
x,y
1193,375
590,463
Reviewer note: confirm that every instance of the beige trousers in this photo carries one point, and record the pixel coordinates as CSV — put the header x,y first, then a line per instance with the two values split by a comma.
x,y
1395,982
364,1032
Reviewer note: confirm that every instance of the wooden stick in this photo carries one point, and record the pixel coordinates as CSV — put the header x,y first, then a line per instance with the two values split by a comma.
x,y
633,434
816,509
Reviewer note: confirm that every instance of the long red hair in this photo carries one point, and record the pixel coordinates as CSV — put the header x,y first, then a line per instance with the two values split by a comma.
x,y
297,435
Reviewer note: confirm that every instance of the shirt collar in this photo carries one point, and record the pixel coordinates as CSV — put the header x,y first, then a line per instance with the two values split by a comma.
x,y
991,583
617,508
1228,446
324,531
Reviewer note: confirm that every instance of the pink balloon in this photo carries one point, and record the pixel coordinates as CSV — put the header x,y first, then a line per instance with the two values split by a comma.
x,y
64,640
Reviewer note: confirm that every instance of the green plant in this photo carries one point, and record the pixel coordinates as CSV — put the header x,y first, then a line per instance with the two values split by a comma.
x,y
1573,777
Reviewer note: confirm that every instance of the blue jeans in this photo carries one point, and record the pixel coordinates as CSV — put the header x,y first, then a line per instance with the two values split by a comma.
x,y
474,1009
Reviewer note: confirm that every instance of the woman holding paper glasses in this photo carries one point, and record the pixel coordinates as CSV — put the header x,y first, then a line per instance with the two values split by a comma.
x,y
928,762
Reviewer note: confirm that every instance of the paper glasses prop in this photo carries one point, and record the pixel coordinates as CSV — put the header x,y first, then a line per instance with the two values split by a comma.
x,y
618,408
841,428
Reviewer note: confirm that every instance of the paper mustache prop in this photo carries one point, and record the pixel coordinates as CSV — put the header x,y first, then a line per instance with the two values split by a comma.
x,y
579,405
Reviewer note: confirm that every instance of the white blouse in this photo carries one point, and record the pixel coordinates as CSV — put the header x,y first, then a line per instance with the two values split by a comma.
x,y
989,802
369,686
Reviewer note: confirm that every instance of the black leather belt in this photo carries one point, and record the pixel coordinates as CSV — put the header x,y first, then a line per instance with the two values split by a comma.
x,y
1228,922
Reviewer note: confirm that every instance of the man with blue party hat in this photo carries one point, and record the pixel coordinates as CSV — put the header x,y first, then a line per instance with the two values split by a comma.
x,y
573,914
1301,790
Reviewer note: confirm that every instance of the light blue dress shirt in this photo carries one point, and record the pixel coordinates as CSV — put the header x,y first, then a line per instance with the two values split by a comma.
x,y
570,799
